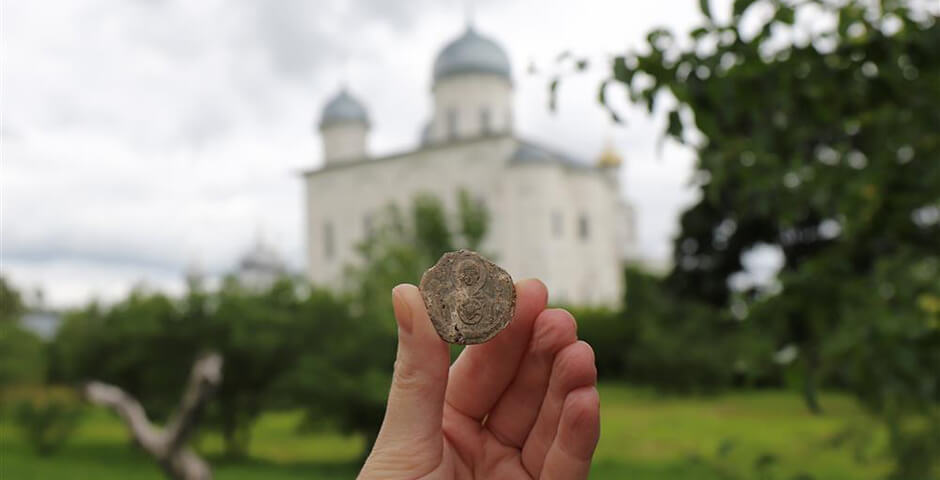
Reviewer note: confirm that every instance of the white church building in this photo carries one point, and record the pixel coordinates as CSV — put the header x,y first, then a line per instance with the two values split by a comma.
x,y
553,217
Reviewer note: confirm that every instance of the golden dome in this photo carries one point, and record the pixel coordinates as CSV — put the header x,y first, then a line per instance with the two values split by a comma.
x,y
609,157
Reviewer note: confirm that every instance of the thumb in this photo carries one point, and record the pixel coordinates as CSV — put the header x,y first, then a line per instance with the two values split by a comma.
x,y
416,399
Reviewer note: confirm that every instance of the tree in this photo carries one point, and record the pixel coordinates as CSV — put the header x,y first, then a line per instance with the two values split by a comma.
x,y
22,358
140,344
343,377
474,220
824,144
405,244
331,353
11,302
46,415
261,335
167,445
143,344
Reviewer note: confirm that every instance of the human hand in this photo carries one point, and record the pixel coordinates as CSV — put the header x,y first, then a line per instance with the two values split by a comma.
x,y
523,405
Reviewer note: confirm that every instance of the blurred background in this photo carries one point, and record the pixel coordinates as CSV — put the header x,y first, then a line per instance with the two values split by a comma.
x,y
739,201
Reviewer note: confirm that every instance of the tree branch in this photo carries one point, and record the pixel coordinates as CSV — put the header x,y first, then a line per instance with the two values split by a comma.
x,y
129,410
167,445
204,378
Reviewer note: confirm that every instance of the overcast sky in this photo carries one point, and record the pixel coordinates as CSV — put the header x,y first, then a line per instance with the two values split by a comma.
x,y
140,137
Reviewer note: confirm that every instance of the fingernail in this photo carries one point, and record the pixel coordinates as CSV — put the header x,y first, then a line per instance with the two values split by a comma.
x,y
402,310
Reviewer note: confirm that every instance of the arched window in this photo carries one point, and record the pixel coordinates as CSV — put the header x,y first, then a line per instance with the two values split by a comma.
x,y
486,121
584,230
328,240
368,229
452,124
557,224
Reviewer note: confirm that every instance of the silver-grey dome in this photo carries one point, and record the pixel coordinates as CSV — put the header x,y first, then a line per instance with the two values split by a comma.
x,y
471,53
343,108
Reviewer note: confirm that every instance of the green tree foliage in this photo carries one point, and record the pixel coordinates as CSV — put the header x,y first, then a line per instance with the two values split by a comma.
x,y
683,345
140,344
22,354
404,244
609,334
46,416
823,143
290,346
260,335
474,220
147,342
429,221
673,344
345,380
11,302
341,378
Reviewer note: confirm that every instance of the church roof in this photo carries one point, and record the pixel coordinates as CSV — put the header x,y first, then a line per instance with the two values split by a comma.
x,y
533,153
525,153
343,108
471,53
609,158
261,257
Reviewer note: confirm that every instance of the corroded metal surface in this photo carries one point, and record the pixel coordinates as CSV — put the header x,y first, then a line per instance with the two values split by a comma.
x,y
469,298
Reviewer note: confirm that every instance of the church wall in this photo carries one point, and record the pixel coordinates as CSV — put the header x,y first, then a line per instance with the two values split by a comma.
x,y
344,142
592,279
522,251
548,243
524,201
561,223
467,95
345,197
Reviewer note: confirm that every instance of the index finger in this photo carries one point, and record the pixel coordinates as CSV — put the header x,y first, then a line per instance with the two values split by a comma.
x,y
482,372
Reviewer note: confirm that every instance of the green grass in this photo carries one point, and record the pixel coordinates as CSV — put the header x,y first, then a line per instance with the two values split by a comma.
x,y
677,438
644,436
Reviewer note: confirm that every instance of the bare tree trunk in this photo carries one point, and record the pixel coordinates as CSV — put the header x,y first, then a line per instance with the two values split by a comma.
x,y
810,380
167,445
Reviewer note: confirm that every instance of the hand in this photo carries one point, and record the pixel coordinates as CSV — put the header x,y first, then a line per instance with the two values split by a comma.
x,y
523,405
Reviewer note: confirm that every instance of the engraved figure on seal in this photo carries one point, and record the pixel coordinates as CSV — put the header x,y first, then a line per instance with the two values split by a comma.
x,y
468,299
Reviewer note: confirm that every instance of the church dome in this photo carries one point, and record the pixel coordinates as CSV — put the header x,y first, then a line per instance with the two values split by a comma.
x,y
609,158
260,268
262,257
343,108
471,53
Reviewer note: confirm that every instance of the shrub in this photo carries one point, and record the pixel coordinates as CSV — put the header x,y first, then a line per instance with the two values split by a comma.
x,y
22,358
611,335
47,416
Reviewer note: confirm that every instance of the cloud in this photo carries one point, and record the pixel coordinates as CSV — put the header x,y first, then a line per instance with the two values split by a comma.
x,y
74,281
140,137
299,36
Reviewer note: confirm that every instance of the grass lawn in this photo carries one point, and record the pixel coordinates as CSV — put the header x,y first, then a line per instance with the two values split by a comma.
x,y
644,436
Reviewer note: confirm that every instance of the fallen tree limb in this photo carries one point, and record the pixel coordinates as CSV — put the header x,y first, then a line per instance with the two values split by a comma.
x,y
167,445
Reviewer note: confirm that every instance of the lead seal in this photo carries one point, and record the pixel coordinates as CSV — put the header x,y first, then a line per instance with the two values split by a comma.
x,y
469,298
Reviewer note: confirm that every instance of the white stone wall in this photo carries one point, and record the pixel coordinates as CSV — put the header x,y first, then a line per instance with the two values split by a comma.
x,y
344,142
579,270
522,200
466,96
345,196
